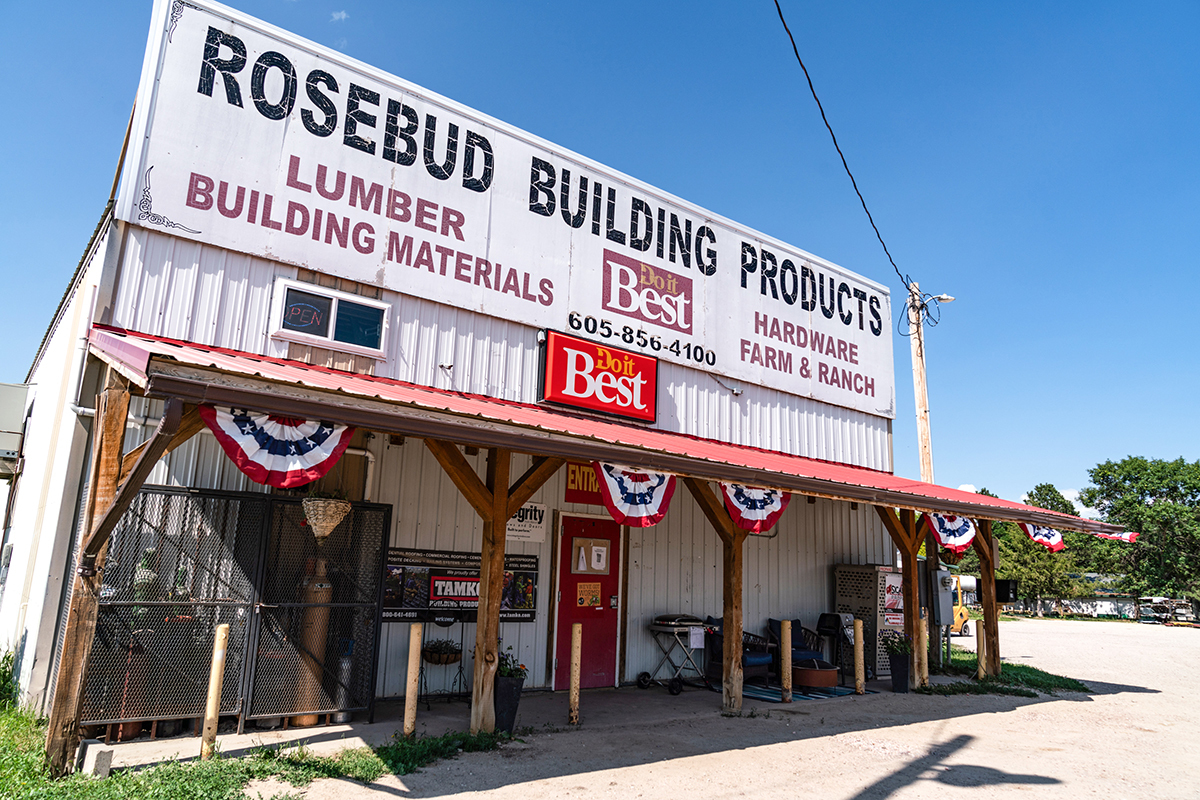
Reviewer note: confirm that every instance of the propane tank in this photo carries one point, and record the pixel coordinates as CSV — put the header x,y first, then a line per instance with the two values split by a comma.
x,y
345,675
313,630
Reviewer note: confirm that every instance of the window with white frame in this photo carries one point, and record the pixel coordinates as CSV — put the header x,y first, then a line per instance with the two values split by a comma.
x,y
314,315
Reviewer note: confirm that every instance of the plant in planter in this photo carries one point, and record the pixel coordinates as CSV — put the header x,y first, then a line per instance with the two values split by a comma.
x,y
324,511
510,677
441,651
899,649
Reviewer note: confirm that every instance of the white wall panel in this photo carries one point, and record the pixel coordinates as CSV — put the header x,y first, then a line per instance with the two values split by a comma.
x,y
186,290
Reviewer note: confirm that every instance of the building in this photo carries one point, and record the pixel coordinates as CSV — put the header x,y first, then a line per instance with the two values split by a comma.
x,y
303,242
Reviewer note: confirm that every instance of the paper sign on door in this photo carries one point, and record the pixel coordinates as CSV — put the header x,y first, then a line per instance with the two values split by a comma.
x,y
590,556
588,595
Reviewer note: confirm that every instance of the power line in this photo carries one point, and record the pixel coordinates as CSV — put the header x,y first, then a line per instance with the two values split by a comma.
x,y
903,278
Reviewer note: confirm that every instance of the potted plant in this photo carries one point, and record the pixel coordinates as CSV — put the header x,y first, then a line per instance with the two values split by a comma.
x,y
899,649
510,677
441,651
324,511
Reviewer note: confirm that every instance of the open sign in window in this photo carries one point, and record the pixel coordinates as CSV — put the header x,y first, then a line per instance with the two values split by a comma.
x,y
326,318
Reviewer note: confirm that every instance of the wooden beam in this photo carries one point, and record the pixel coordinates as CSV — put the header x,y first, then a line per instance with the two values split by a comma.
x,y
491,586
713,508
983,544
732,540
910,575
189,426
108,440
892,524
459,469
540,471
156,445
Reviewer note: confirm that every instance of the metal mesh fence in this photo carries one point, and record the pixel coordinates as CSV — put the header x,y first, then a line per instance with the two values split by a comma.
x,y
303,618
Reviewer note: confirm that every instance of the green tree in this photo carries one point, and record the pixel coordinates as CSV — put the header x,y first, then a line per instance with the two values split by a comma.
x,y
1039,573
1161,501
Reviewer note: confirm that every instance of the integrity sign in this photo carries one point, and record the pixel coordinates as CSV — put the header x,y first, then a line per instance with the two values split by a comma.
x,y
249,138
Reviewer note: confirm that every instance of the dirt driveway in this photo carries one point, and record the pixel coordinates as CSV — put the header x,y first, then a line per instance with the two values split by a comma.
x,y
1134,737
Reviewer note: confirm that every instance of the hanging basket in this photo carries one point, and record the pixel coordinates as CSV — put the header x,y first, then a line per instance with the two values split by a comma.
x,y
440,658
950,557
324,514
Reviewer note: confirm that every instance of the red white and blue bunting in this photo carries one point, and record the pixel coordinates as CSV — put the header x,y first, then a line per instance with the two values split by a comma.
x,y
1127,536
1049,538
752,508
277,451
953,533
634,497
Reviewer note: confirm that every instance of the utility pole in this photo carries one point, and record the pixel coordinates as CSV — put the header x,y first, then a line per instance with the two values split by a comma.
x,y
916,325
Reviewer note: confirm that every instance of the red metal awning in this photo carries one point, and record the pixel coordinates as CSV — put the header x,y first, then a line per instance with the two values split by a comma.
x,y
201,374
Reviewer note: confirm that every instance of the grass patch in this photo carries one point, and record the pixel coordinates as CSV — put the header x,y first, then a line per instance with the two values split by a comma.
x,y
22,774
964,662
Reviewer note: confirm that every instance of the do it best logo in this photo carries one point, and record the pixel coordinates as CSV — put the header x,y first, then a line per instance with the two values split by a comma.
x,y
587,375
647,293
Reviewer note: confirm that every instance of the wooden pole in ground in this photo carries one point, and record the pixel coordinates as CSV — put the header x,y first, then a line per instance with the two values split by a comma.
x,y
980,648
984,547
216,679
576,668
922,651
785,659
413,686
108,440
860,667
902,528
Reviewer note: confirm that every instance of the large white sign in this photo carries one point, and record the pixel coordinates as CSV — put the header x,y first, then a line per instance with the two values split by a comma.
x,y
253,139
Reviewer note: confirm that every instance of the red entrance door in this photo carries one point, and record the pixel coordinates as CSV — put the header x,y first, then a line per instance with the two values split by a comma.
x,y
588,586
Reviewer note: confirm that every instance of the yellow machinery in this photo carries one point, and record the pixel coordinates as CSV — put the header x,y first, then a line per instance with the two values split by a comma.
x,y
962,620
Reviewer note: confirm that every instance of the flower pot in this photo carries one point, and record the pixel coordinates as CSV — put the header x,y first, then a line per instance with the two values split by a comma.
x,y
507,696
812,673
899,666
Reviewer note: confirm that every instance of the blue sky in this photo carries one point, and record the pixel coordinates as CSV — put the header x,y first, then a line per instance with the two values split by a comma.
x,y
1036,160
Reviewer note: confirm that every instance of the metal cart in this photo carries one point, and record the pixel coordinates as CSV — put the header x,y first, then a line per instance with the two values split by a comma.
x,y
672,633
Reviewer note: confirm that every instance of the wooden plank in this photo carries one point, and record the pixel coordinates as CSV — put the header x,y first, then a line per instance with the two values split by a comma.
x,y
189,426
62,734
540,471
892,524
910,574
464,477
491,586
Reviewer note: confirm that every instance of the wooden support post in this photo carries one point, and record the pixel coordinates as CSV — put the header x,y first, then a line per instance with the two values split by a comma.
x,y
732,540
216,679
495,502
934,644
413,687
785,659
860,667
902,528
491,585
108,440
983,544
576,669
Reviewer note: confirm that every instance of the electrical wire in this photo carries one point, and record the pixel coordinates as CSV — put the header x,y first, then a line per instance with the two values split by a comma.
x,y
903,278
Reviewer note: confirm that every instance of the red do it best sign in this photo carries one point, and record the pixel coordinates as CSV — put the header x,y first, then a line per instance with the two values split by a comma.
x,y
595,377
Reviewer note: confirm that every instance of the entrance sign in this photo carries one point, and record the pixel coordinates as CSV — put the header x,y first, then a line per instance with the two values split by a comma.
x,y
582,485
250,138
423,585
595,377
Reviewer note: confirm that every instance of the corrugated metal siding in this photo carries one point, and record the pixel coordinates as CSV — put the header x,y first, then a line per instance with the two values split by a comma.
x,y
185,290
675,568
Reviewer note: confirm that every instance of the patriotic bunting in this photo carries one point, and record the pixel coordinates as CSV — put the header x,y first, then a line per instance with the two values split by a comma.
x,y
634,497
1049,538
752,508
953,533
1127,536
277,451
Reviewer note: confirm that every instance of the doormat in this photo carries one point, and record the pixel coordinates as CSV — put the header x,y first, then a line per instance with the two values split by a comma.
x,y
773,694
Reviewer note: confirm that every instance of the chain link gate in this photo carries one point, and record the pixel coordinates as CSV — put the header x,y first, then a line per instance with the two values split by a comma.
x,y
183,561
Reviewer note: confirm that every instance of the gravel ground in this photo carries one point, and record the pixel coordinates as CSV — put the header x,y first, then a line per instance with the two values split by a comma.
x,y
1135,736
